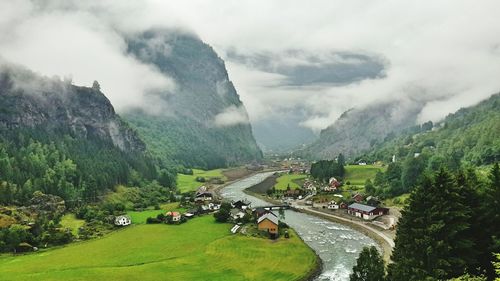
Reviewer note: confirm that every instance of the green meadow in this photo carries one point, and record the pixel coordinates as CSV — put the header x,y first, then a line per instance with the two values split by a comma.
x,y
140,217
187,183
357,175
197,250
70,221
293,180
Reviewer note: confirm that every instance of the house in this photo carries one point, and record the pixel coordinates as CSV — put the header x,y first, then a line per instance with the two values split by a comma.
x,y
260,211
203,197
366,212
241,204
357,197
268,222
176,216
332,205
237,213
122,220
210,207
334,183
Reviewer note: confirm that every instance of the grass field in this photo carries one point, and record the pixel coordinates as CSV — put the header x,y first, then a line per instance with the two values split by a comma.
x,y
187,183
71,222
283,181
197,250
142,216
357,175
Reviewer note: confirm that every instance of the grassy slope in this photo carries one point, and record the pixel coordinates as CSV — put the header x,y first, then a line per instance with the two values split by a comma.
x,y
358,175
197,250
141,217
286,179
71,222
187,183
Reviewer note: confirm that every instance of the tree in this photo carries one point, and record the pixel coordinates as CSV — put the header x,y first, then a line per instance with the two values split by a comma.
x,y
96,85
369,266
222,215
432,241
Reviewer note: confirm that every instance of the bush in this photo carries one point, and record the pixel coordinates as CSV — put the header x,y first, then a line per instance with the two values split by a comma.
x,y
151,220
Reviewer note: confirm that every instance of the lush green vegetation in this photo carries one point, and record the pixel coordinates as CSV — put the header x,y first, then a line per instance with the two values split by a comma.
x,y
71,222
449,228
289,181
325,169
197,250
189,182
369,266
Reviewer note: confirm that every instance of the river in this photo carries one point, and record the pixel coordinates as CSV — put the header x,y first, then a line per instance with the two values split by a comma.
x,y
337,245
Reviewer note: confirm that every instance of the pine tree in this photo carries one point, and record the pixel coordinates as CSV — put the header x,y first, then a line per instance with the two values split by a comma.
x,y
432,241
369,266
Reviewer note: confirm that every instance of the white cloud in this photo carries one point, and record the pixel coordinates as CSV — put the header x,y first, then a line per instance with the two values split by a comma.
x,y
231,116
443,53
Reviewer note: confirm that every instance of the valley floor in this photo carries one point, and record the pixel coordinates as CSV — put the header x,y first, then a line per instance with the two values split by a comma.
x,y
197,250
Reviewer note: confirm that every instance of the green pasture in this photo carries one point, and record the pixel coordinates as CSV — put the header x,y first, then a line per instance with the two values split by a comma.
x,y
197,250
186,183
293,180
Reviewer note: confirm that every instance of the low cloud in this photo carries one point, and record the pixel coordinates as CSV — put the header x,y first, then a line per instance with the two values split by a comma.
x,y
442,55
231,116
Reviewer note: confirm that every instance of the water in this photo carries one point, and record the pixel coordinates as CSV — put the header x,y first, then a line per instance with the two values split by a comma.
x,y
337,245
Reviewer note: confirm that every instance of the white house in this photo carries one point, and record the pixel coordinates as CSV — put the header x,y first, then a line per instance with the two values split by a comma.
x,y
122,220
333,205
176,216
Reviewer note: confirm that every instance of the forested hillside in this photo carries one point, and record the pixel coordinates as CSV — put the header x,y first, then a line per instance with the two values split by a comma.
x,y
63,140
202,122
468,138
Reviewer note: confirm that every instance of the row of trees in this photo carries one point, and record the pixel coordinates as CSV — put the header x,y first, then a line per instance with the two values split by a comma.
x,y
450,227
325,169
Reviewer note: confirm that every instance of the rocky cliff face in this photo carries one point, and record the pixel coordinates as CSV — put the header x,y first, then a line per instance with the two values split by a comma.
x,y
31,101
359,129
202,122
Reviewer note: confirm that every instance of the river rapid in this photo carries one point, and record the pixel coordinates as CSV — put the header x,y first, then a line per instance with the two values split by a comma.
x,y
337,245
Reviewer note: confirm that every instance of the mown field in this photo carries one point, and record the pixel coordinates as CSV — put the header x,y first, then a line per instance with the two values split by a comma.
x,y
197,250
186,183
140,217
293,180
357,175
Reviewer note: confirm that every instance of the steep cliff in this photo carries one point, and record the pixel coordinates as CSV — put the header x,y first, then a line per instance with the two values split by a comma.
x,y
62,139
201,122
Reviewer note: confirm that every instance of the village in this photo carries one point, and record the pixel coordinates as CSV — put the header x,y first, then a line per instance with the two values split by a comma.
x,y
259,221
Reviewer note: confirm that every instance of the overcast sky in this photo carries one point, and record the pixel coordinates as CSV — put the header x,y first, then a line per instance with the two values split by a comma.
x,y
445,53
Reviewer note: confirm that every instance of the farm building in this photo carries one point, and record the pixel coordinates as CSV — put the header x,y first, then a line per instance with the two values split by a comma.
x,y
268,222
176,216
204,197
366,212
122,220
241,204
357,197
237,213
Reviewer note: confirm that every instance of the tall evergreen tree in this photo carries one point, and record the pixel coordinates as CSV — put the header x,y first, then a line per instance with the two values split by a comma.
x,y
432,241
369,266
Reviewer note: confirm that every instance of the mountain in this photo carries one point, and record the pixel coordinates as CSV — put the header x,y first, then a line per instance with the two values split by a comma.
x,y
358,129
201,122
63,139
470,135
